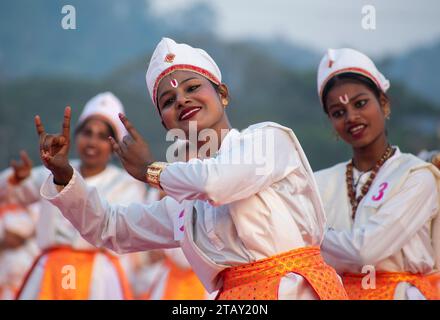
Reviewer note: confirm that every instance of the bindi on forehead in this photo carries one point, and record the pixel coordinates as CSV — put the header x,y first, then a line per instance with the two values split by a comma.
x,y
344,99
174,83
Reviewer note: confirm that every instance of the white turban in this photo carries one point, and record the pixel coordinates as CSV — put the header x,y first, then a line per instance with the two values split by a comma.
x,y
16,220
170,56
105,105
338,61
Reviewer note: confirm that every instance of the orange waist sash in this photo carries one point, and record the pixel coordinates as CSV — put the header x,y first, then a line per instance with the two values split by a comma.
x,y
68,274
181,284
260,280
385,285
434,279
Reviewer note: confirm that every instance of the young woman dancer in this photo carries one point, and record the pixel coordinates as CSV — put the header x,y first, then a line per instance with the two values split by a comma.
x,y
382,205
246,212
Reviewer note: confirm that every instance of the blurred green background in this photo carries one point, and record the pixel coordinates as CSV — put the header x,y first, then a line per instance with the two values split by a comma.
x,y
43,68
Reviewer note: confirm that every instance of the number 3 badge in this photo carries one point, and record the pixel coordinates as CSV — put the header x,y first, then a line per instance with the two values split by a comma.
x,y
381,191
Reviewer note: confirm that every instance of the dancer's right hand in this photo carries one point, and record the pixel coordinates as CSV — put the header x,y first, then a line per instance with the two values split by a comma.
x,y
54,149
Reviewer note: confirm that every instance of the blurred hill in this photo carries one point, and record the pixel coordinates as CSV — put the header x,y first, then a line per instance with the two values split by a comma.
x,y
112,32
419,69
108,34
44,68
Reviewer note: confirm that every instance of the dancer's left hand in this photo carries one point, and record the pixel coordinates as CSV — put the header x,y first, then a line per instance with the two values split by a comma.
x,y
133,151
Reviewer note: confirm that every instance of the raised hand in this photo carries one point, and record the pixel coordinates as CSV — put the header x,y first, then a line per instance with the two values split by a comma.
x,y
54,149
436,160
133,151
22,169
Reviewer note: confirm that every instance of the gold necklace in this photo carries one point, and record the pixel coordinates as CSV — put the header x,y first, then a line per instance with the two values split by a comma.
x,y
351,190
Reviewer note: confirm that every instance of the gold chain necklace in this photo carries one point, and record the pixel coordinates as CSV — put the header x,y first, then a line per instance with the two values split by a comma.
x,y
351,190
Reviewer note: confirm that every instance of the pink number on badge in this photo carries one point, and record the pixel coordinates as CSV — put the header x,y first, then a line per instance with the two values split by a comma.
x,y
382,188
182,228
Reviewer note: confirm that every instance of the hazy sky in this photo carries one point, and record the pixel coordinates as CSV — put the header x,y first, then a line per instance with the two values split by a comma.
x,y
400,24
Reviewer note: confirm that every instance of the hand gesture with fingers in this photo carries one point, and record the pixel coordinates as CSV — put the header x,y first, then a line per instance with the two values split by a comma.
x,y
133,151
22,169
436,160
54,149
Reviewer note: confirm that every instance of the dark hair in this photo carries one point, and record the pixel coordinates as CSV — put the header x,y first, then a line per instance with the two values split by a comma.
x,y
353,77
79,128
217,89
214,85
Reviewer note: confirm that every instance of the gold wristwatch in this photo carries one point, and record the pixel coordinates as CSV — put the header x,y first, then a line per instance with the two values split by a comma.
x,y
153,173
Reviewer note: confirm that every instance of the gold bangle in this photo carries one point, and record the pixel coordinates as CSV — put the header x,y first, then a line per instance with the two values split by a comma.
x,y
153,173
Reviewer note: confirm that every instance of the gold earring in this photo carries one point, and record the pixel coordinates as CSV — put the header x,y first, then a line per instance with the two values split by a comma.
x,y
225,102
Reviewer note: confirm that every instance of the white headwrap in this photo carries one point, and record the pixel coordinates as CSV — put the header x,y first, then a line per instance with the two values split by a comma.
x,y
107,106
338,61
16,220
170,56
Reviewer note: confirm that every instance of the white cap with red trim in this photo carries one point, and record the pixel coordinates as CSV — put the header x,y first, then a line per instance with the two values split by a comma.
x,y
338,61
106,106
170,56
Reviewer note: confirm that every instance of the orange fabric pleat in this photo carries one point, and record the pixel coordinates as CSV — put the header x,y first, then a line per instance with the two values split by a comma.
x,y
59,264
260,280
10,208
123,280
182,284
434,279
67,274
385,285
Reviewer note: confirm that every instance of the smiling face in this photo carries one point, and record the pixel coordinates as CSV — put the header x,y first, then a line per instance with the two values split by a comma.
x,y
357,113
185,96
92,143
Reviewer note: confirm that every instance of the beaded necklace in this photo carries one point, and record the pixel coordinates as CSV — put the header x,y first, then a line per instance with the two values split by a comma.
x,y
364,190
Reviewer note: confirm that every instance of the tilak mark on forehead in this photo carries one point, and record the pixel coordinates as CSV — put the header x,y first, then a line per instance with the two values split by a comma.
x,y
344,100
